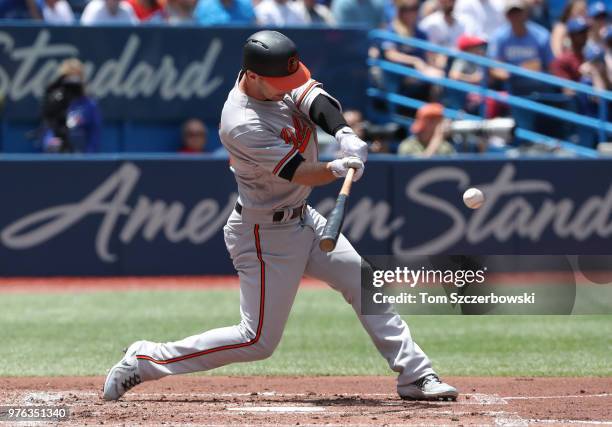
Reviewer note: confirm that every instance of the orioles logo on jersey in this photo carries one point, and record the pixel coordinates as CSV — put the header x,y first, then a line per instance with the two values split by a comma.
x,y
299,137
293,63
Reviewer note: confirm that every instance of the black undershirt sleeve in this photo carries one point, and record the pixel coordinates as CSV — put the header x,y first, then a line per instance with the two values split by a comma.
x,y
325,113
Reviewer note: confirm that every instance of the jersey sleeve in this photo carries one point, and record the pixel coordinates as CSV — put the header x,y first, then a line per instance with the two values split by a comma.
x,y
259,148
304,95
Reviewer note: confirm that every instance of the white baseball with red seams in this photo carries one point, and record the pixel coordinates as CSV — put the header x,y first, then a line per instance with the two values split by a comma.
x,y
473,198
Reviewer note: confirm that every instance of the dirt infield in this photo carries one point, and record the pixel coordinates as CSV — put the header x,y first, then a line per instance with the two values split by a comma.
x,y
203,400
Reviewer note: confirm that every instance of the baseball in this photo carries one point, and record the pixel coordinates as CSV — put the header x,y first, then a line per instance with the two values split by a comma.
x,y
473,198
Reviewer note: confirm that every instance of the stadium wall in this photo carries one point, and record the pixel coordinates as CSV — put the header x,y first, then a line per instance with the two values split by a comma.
x,y
157,215
149,79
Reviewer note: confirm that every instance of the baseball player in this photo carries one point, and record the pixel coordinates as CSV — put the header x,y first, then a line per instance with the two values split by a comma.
x,y
268,127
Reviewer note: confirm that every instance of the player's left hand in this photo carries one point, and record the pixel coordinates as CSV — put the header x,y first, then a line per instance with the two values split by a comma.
x,y
340,167
351,144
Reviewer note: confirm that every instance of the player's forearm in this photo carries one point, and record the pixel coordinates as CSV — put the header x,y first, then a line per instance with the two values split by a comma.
x,y
313,174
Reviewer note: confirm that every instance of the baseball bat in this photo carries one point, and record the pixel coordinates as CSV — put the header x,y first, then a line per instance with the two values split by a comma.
x,y
332,229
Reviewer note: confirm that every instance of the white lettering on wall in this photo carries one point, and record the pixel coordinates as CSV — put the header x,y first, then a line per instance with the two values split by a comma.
x,y
506,214
122,77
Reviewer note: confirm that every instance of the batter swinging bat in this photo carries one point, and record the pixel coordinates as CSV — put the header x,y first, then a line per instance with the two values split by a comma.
x,y
336,217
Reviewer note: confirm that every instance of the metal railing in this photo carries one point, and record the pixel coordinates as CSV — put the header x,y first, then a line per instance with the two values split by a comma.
x,y
600,124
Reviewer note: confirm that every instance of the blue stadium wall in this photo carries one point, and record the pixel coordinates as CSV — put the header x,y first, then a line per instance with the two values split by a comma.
x,y
150,215
144,214
149,79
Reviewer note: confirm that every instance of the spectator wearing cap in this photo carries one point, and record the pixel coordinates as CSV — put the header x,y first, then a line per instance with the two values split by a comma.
x,y
469,72
483,17
57,12
218,12
598,18
558,38
464,70
108,12
428,131
370,13
567,65
278,13
521,43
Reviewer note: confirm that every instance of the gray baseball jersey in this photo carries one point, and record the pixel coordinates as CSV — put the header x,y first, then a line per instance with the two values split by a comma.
x,y
263,138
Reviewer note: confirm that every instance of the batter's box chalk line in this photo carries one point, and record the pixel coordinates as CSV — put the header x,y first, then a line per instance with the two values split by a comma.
x,y
278,409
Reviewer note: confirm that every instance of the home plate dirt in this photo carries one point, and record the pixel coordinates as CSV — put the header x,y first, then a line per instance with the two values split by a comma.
x,y
209,400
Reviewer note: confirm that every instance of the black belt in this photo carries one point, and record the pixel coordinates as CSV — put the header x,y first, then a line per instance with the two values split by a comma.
x,y
278,215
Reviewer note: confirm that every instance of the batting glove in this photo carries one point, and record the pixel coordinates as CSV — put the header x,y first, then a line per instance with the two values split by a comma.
x,y
351,144
340,167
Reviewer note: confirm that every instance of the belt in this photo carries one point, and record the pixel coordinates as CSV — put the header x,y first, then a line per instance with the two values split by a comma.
x,y
278,215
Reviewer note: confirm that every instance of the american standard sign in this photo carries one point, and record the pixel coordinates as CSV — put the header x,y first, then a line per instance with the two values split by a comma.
x,y
129,75
128,206
145,72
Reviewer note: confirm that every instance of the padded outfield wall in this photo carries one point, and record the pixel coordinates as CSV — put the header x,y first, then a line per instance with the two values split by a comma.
x,y
149,215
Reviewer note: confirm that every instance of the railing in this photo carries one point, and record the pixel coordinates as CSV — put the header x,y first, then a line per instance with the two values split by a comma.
x,y
600,124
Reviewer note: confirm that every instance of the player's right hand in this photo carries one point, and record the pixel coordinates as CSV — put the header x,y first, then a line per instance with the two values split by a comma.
x,y
340,167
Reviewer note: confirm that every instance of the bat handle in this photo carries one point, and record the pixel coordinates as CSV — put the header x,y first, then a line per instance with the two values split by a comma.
x,y
348,181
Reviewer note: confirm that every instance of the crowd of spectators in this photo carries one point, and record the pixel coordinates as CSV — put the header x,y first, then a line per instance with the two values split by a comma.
x,y
577,46
278,13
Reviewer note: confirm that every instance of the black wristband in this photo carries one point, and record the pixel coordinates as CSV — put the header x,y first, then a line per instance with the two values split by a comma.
x,y
289,169
325,113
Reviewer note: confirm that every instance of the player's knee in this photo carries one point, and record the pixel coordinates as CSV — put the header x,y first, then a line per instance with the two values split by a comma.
x,y
263,350
261,347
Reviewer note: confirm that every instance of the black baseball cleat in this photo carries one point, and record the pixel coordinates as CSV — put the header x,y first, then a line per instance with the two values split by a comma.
x,y
430,387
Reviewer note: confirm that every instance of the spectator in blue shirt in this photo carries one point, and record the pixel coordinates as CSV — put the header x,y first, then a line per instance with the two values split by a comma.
x,y
524,44
405,24
370,13
71,120
215,12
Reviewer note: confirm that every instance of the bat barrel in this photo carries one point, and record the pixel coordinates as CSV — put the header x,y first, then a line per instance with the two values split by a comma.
x,y
332,229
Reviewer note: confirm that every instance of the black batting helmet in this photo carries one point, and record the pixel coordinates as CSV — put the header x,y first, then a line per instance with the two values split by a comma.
x,y
274,56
